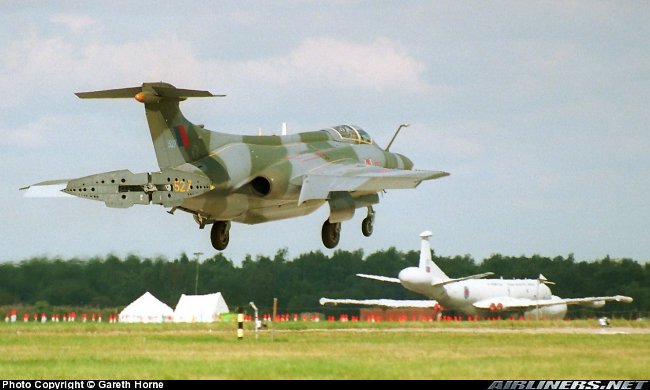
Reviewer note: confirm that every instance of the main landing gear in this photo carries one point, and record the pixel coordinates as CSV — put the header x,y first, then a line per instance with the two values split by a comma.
x,y
331,232
220,235
368,222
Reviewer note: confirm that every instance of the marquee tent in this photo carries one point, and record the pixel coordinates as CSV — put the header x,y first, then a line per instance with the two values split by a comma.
x,y
147,308
200,308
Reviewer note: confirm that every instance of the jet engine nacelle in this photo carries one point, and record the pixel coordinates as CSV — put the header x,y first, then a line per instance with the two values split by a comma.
x,y
554,312
342,205
273,183
594,304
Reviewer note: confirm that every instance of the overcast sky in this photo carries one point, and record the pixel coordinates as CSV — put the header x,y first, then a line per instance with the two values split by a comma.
x,y
539,110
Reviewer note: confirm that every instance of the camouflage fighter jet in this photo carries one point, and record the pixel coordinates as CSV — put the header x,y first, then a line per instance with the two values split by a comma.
x,y
220,178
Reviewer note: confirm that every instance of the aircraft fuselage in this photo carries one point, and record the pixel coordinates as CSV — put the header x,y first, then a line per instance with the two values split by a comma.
x,y
258,178
220,177
462,295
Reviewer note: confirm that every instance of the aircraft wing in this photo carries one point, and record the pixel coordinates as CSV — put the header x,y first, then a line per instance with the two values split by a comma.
x,y
380,278
380,302
358,177
596,301
449,281
46,189
509,303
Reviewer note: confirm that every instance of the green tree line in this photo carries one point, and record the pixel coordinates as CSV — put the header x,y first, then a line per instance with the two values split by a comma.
x,y
298,283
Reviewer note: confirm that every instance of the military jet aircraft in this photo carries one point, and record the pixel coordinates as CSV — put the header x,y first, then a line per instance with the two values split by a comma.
x,y
220,178
473,295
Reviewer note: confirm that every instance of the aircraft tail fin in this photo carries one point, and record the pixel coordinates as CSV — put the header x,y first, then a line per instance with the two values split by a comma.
x,y
176,140
426,263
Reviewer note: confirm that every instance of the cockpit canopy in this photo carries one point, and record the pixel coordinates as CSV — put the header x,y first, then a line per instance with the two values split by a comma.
x,y
350,133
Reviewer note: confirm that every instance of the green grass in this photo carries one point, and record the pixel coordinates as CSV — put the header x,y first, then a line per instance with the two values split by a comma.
x,y
500,350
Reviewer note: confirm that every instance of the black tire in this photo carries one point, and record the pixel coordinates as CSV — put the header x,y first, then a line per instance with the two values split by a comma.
x,y
367,226
220,235
331,234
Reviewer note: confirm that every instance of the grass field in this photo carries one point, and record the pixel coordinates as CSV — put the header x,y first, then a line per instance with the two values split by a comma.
x,y
499,350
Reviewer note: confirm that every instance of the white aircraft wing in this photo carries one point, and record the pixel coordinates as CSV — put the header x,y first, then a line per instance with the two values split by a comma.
x,y
380,302
380,278
46,189
509,303
358,177
477,276
597,301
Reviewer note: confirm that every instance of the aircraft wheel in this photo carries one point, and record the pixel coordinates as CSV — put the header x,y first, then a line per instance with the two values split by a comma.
x,y
220,235
331,234
367,226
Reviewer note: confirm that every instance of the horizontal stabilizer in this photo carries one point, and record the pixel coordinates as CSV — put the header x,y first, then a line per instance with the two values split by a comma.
x,y
449,281
150,91
46,189
380,302
120,93
380,278
183,93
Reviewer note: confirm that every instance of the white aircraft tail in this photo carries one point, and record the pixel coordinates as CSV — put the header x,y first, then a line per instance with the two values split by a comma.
x,y
426,264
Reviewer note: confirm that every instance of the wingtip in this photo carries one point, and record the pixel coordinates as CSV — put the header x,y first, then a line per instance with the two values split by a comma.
x,y
439,174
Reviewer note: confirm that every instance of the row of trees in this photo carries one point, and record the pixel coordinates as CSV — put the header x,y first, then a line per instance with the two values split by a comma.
x,y
111,282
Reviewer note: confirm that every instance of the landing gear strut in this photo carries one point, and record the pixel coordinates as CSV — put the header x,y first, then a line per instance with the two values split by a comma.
x,y
331,234
220,235
367,223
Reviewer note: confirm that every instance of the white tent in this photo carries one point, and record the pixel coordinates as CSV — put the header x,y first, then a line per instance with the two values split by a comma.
x,y
200,308
147,308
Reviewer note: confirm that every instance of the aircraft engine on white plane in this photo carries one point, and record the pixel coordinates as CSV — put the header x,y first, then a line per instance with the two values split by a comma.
x,y
594,304
554,312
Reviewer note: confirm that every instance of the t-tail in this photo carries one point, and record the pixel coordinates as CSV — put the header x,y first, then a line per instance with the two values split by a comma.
x,y
176,140
439,278
426,264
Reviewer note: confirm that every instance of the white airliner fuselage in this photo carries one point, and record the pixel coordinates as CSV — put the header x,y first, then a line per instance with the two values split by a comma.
x,y
462,295
473,295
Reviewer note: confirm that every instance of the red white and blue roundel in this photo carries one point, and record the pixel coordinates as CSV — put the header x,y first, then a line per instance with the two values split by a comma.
x,y
466,292
182,139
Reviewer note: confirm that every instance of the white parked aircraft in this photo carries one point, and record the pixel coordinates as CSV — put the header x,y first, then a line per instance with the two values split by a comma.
x,y
473,295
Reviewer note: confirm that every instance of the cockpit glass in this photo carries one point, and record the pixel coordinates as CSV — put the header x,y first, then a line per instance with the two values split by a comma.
x,y
353,133
346,132
365,138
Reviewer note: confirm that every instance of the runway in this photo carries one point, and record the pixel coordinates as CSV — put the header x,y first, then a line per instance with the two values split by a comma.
x,y
475,330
